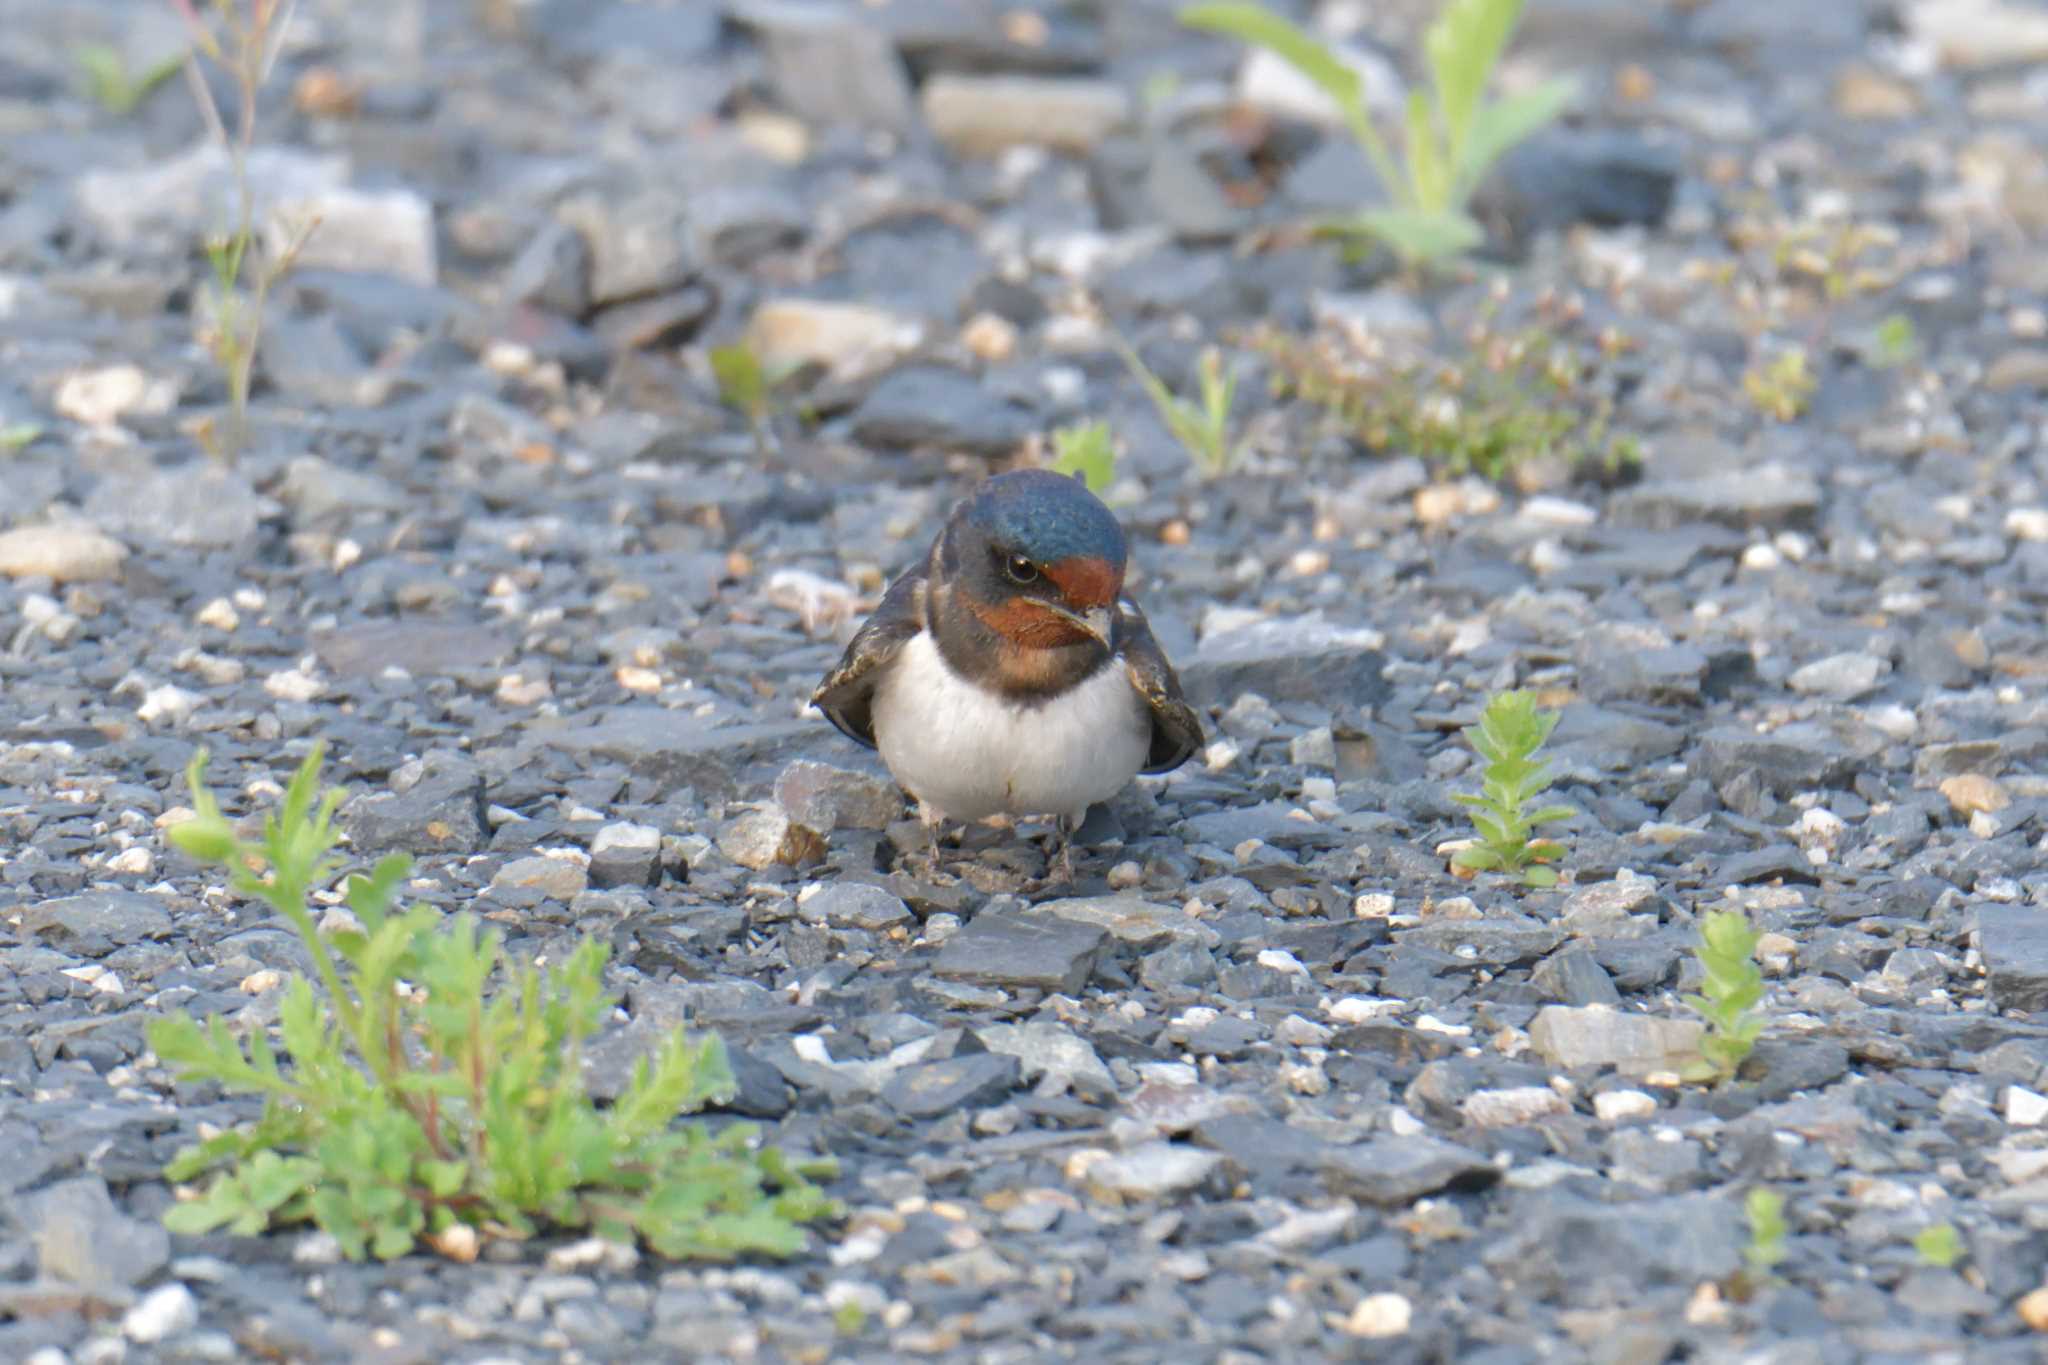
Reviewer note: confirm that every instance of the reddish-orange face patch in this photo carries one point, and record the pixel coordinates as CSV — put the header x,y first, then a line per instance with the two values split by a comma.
x,y
1030,623
1086,581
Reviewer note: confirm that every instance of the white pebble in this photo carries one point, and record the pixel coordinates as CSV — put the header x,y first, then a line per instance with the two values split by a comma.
x,y
1612,1106
2027,523
293,684
2024,1108
1380,1315
164,1312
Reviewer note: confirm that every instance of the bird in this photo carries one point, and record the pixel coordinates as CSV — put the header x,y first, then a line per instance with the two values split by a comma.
x,y
1006,674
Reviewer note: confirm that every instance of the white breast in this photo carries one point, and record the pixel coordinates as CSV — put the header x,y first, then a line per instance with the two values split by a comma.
x,y
973,754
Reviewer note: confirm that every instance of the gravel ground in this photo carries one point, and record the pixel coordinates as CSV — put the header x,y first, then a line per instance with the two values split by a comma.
x,y
1267,1083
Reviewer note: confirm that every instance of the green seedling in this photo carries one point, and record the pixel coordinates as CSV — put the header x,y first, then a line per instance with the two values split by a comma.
x,y
1088,450
1202,428
1730,988
751,387
1939,1246
1510,400
243,39
1765,1211
1783,388
1510,731
432,1090
1897,342
19,436
112,85
1453,134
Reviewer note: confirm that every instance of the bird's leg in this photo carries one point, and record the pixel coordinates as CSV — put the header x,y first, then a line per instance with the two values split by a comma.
x,y
1062,867
932,819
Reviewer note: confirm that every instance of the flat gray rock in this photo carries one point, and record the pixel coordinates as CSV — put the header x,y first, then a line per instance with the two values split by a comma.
x,y
1028,949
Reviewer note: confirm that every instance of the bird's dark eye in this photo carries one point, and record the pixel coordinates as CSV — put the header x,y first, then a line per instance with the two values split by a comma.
x,y
1020,569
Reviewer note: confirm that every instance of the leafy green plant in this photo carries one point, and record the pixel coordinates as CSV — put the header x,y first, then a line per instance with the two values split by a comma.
x,y
112,85
1765,1212
1511,399
1452,136
1783,388
1203,428
19,436
1938,1246
431,1089
243,270
1087,449
1897,341
1730,988
748,386
1510,731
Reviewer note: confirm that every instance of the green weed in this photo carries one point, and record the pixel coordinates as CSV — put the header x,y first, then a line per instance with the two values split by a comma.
x,y
1452,135
1938,1246
1510,731
1783,388
245,46
112,85
1897,342
1765,1212
19,436
1087,449
1203,428
1513,398
430,1089
1732,985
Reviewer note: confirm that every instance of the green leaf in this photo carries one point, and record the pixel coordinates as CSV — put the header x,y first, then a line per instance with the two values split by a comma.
x,y
18,435
1086,450
370,897
1544,815
1539,876
203,838
742,381
1261,27
1428,167
1499,126
1421,237
1478,859
1938,1245
1463,46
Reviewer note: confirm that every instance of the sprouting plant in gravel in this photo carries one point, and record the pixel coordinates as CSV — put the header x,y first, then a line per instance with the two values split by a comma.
x,y
1452,135
112,85
1087,449
1764,1210
1896,341
747,385
1510,731
1514,397
1730,988
1783,388
1938,1246
430,1089
19,436
1203,428
1790,279
242,38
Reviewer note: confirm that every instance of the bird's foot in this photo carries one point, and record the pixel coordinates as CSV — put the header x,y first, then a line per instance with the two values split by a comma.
x,y
932,821
1060,867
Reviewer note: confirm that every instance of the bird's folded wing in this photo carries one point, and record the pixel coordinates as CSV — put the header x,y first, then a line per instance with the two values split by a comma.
x,y
847,695
1176,730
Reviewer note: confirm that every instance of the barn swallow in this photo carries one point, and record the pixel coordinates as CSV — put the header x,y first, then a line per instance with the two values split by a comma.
x,y
1006,674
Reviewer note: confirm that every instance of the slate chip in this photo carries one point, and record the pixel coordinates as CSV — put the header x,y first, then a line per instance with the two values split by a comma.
x,y
98,922
1393,1172
930,1089
1028,950
2014,941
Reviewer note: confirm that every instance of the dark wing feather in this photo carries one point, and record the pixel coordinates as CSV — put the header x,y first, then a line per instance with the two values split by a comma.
x,y
847,694
1176,730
